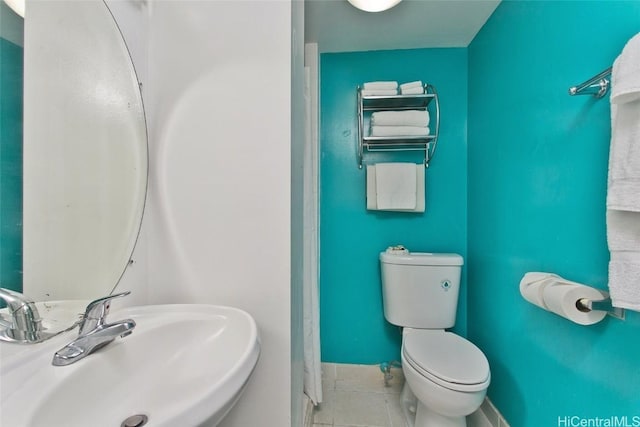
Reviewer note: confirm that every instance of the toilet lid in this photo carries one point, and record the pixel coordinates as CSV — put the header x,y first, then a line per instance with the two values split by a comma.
x,y
446,356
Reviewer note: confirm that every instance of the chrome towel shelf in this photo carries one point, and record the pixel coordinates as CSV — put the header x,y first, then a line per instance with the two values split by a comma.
x,y
425,101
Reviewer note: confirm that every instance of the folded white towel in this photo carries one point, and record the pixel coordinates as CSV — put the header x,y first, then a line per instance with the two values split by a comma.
x,y
379,92
399,131
372,200
410,85
380,85
400,118
412,91
396,186
625,77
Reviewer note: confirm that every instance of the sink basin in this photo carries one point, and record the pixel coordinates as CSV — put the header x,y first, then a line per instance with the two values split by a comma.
x,y
184,365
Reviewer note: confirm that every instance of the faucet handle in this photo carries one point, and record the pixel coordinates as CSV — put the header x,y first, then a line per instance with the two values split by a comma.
x,y
96,312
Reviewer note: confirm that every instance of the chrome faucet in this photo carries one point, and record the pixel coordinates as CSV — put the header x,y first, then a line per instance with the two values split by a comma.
x,y
23,325
94,333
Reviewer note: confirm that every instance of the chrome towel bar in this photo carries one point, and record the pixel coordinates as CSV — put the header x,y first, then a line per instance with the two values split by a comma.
x,y
597,85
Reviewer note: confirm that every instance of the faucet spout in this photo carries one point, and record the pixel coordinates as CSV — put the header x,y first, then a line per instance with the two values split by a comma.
x,y
86,344
95,332
23,325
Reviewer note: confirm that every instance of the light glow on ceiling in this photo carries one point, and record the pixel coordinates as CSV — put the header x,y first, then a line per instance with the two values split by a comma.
x,y
374,5
17,6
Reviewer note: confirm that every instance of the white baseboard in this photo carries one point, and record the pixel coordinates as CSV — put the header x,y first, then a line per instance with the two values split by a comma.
x,y
492,414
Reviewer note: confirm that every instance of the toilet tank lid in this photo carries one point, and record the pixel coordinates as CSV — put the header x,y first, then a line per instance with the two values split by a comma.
x,y
421,258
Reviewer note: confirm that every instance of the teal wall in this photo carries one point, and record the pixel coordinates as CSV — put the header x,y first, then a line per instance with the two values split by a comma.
x,y
11,66
352,324
537,184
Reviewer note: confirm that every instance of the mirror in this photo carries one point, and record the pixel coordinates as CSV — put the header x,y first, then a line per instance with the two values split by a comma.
x,y
11,70
84,172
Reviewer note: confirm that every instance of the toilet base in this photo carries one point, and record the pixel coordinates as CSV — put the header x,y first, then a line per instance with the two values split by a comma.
x,y
418,415
409,404
425,417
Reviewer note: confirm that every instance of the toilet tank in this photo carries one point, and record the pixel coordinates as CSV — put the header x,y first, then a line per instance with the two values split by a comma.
x,y
420,290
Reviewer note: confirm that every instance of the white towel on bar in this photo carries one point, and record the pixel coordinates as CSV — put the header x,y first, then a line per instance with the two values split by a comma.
x,y
399,131
412,91
625,83
623,184
396,186
624,235
623,192
379,92
624,276
400,118
380,85
411,85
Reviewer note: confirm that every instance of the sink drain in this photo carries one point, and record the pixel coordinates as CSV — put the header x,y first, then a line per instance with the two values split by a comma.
x,y
135,421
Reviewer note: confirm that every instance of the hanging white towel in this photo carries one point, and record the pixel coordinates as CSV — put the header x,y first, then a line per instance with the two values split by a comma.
x,y
399,131
372,201
623,191
625,84
624,276
623,239
623,184
380,85
400,118
396,185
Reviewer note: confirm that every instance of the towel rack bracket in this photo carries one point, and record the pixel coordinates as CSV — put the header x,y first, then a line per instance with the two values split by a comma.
x,y
597,85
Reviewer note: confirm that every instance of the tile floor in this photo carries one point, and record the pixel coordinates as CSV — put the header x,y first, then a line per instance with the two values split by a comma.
x,y
356,396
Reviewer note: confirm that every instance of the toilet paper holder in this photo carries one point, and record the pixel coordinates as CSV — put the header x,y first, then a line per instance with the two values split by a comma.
x,y
586,305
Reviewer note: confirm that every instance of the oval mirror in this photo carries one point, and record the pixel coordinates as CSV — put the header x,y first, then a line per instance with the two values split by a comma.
x,y
84,153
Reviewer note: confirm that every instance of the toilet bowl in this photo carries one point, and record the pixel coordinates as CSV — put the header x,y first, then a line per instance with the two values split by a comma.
x,y
447,374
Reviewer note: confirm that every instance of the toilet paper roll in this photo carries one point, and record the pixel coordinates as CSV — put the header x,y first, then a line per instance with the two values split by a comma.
x,y
561,297
532,287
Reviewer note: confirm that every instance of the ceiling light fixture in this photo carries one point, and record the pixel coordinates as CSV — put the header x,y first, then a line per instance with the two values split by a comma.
x,y
17,6
374,5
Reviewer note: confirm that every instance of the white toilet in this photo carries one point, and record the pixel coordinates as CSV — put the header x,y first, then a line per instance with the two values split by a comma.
x,y
446,375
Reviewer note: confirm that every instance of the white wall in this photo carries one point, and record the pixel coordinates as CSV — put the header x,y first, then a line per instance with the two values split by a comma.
x,y
217,84
218,222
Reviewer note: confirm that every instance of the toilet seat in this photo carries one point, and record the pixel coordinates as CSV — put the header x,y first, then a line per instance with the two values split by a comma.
x,y
446,359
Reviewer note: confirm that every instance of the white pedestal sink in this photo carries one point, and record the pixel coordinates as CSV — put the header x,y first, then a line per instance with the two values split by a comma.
x,y
183,365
